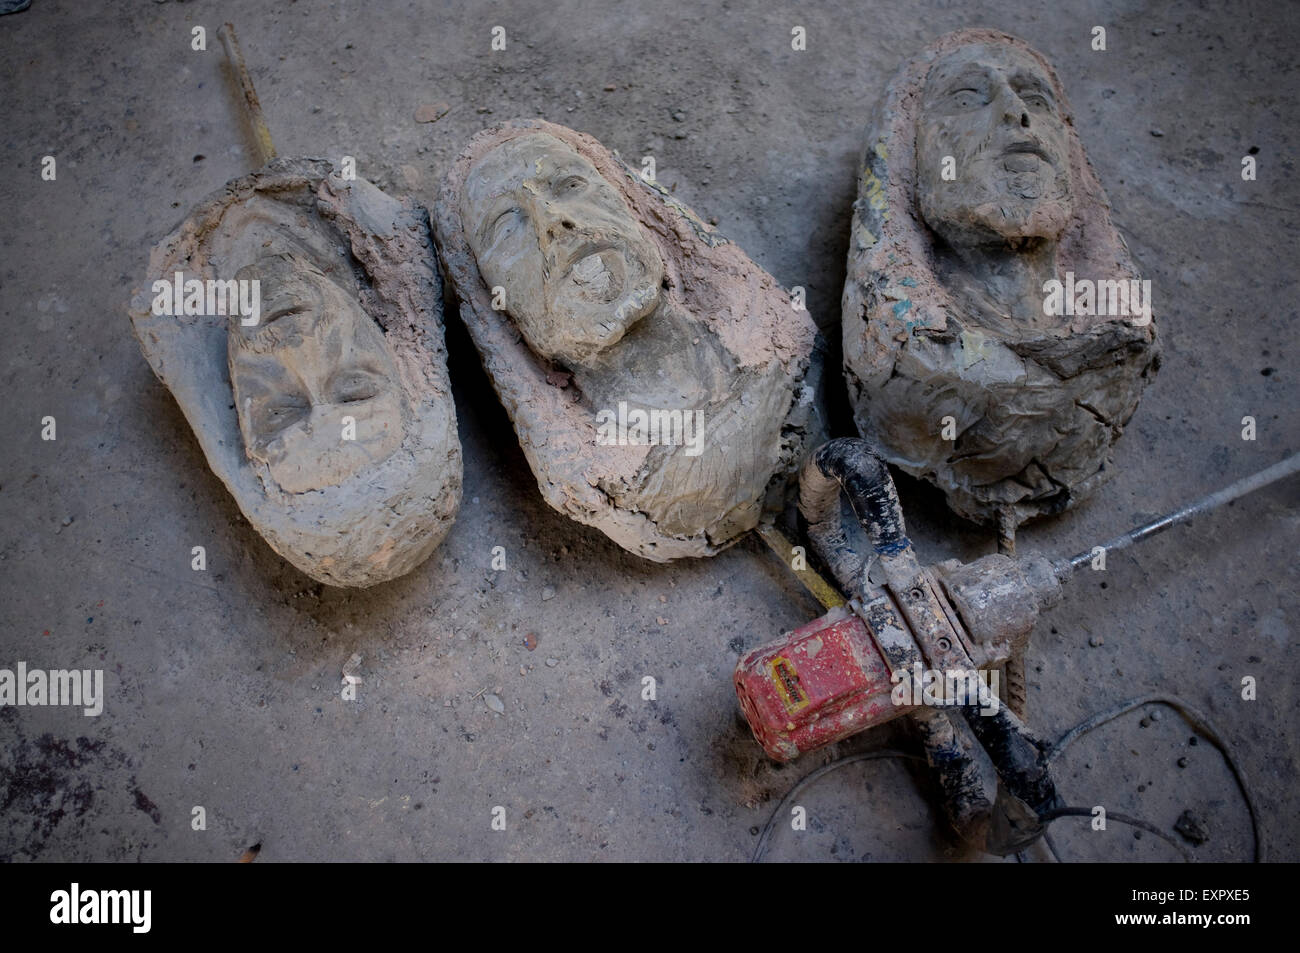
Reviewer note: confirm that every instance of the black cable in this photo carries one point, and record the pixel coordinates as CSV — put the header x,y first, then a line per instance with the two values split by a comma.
x,y
1022,858
1061,812
808,779
1194,718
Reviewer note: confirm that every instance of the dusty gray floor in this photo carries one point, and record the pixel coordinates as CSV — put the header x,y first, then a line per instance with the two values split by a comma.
x,y
223,686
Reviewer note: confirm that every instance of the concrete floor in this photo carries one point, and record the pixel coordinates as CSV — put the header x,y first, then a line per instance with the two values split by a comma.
x,y
223,687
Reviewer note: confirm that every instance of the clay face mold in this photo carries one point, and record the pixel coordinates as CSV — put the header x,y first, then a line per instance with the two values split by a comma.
x,y
614,301
992,108
576,267
330,417
976,196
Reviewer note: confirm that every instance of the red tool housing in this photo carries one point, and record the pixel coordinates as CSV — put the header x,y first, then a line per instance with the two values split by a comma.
x,y
820,683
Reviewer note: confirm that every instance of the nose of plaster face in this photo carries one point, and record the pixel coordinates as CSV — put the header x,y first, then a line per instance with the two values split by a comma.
x,y
549,219
323,416
1014,111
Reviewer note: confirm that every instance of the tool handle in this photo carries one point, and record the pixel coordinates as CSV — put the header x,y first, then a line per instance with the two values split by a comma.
x,y
966,779
1022,765
849,464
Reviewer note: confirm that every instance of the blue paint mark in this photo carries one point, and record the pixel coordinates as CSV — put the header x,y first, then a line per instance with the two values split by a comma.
x,y
893,549
908,282
900,308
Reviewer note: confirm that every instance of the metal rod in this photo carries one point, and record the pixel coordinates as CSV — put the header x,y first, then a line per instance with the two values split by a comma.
x,y
261,133
1205,504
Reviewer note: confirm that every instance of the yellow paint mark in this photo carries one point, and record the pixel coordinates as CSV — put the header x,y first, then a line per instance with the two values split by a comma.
x,y
974,348
787,684
875,190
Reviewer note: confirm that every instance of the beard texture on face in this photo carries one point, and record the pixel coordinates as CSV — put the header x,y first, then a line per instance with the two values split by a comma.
x,y
1001,196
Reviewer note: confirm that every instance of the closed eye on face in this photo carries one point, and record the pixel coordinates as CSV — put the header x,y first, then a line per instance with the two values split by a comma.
x,y
286,308
276,414
351,385
967,97
969,90
503,224
570,185
1032,92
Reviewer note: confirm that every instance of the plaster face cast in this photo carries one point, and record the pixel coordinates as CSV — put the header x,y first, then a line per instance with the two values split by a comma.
x,y
593,299
544,225
315,359
958,365
992,109
582,283
327,414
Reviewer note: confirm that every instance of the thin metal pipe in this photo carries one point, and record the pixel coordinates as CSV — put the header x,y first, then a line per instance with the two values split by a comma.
x,y
1205,504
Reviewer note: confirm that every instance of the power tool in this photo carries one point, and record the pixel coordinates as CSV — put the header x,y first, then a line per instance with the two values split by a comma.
x,y
926,643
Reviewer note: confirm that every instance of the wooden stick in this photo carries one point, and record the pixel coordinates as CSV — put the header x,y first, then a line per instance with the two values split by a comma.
x,y
814,582
261,134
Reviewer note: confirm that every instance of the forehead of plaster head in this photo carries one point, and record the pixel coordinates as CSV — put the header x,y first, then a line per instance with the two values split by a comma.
x,y
507,166
284,270
289,286
974,60
312,334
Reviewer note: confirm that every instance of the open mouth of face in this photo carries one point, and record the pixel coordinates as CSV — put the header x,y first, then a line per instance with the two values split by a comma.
x,y
596,271
1024,156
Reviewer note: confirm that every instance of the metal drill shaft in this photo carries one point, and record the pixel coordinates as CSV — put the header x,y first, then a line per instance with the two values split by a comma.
x,y
1205,504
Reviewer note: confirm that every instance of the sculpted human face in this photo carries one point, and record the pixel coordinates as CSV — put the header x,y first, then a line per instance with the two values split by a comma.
x,y
994,110
578,270
315,358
